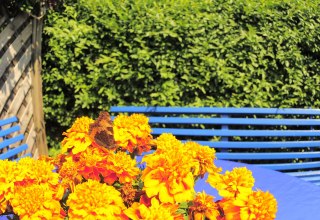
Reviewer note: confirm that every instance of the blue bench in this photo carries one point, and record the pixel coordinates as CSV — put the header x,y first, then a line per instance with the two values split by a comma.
x,y
9,139
287,140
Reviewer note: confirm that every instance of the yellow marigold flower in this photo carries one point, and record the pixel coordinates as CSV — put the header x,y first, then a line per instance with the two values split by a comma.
x,y
77,137
132,133
203,157
167,142
120,166
8,174
156,211
168,176
230,184
94,200
204,207
92,162
258,205
33,171
35,202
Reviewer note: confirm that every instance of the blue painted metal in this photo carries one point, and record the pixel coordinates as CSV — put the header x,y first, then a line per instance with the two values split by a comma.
x,y
9,130
259,145
291,166
8,139
296,128
267,156
214,110
8,121
240,133
7,142
234,121
14,151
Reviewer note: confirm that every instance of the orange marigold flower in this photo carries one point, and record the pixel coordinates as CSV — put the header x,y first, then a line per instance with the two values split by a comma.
x,y
258,205
94,200
121,167
203,157
35,202
77,137
230,184
132,133
92,162
168,176
204,207
33,171
156,211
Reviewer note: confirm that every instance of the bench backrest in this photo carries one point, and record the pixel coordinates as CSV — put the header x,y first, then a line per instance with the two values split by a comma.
x,y
9,138
286,139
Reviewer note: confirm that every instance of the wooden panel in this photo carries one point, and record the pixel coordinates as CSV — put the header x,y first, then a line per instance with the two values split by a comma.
x,y
14,76
11,29
14,48
2,20
30,139
26,118
20,96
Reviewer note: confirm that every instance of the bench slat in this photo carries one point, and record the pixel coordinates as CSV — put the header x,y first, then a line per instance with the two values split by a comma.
x,y
10,130
265,156
305,173
260,145
7,142
214,110
8,121
240,133
234,121
291,166
13,152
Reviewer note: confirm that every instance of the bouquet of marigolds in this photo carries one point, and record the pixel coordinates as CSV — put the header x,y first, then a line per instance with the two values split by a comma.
x,y
97,176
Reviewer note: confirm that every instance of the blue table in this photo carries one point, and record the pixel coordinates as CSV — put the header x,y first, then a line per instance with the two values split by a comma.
x,y
297,199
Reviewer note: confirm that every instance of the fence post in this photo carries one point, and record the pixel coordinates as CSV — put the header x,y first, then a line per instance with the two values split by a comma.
x,y
37,99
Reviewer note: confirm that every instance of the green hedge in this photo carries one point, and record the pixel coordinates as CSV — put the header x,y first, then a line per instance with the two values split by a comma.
x,y
99,53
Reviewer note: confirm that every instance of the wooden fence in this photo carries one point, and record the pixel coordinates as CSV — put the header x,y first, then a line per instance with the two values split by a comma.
x,y
20,77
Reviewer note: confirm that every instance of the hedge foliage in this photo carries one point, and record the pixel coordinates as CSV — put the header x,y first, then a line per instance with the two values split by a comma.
x,y
99,53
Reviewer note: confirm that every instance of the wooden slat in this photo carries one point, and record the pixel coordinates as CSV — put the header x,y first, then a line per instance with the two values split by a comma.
x,y
2,20
11,29
30,139
14,48
24,87
14,77
214,110
240,133
234,121
26,118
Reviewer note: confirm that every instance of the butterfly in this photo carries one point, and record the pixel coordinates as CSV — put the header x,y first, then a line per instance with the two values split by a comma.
x,y
101,131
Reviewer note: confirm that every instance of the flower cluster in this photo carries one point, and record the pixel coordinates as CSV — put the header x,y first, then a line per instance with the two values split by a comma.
x,y
97,176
